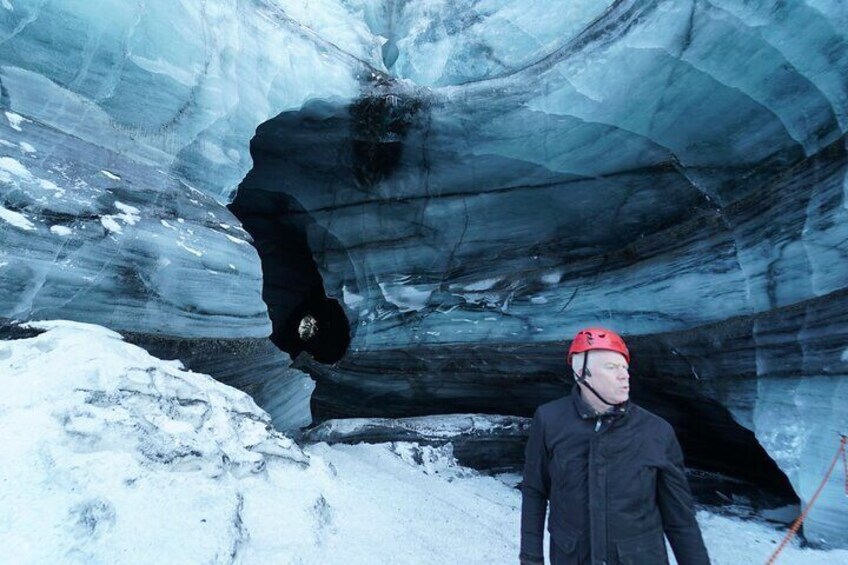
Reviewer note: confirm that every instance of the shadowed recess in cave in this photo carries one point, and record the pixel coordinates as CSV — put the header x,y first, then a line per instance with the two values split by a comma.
x,y
317,147
302,316
517,379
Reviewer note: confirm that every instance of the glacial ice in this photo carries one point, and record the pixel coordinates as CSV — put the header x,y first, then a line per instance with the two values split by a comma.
x,y
476,180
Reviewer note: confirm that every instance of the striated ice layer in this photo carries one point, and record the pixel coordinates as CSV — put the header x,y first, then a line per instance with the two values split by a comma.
x,y
91,235
181,86
111,119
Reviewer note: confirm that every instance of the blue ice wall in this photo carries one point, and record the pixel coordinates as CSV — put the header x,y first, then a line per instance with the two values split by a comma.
x,y
467,175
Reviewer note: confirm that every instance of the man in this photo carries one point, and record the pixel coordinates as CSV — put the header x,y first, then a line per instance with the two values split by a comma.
x,y
612,471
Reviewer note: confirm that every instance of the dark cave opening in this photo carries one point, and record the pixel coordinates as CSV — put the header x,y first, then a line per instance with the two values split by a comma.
x,y
318,325
729,464
727,461
303,317
315,149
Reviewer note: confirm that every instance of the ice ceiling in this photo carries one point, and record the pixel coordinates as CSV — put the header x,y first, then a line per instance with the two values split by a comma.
x,y
449,190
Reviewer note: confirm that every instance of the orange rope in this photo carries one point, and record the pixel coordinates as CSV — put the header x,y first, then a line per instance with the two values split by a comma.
x,y
845,461
796,525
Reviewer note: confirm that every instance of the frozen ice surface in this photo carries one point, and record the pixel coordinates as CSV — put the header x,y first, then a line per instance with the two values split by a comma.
x,y
83,245
179,85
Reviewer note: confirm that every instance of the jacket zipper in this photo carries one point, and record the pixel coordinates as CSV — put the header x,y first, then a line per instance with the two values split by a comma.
x,y
597,424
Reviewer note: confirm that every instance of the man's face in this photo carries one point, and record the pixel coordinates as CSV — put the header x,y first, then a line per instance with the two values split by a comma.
x,y
610,376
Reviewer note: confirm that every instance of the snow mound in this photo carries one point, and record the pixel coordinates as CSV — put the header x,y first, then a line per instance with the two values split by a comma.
x,y
114,456
120,457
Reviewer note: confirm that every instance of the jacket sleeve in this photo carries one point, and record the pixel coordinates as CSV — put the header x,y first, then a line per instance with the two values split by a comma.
x,y
534,494
677,508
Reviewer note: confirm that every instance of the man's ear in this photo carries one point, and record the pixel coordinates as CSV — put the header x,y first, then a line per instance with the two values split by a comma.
x,y
577,367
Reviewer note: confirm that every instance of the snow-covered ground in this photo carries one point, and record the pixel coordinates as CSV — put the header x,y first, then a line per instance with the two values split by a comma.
x,y
113,456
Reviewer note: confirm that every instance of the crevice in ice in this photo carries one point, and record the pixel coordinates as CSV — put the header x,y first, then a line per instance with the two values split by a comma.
x,y
239,532
670,380
303,317
494,189
614,22
277,15
446,272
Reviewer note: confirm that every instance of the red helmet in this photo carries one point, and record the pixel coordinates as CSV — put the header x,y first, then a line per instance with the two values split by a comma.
x,y
597,338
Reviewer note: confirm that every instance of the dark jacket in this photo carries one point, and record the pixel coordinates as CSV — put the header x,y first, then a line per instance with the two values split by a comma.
x,y
615,483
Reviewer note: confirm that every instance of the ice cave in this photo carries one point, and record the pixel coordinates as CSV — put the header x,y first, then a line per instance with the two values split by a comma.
x,y
382,221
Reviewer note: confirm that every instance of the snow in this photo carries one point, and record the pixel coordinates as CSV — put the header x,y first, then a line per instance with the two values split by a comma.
x,y
236,240
8,166
731,541
16,219
407,297
131,211
13,171
49,185
552,278
191,250
111,225
109,175
15,120
482,285
61,230
129,215
437,426
122,458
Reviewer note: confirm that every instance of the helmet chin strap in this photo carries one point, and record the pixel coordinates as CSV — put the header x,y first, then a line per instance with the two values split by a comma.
x,y
585,374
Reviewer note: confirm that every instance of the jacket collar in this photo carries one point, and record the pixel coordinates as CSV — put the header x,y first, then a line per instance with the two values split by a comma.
x,y
586,412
